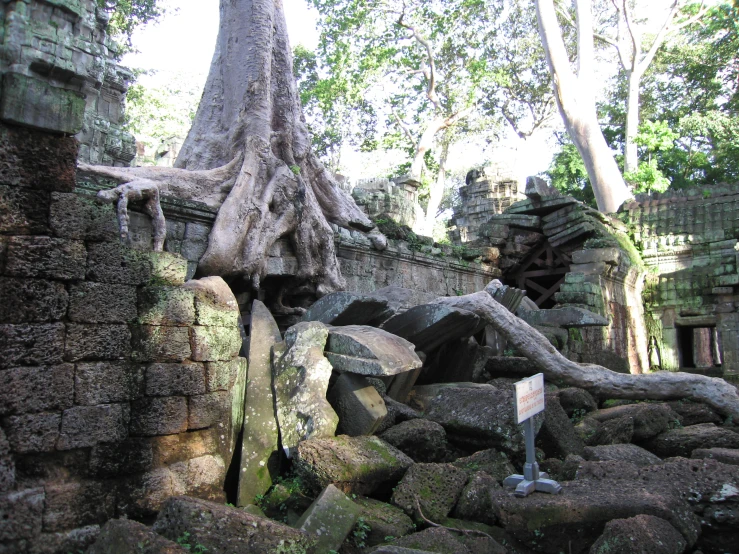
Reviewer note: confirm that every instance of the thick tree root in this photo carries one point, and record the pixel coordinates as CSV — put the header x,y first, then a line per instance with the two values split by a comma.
x,y
717,393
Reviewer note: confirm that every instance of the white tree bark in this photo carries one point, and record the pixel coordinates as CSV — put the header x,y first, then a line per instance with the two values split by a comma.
x,y
576,102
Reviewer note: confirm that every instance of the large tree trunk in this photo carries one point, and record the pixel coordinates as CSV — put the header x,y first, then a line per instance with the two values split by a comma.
x,y
631,155
576,102
717,393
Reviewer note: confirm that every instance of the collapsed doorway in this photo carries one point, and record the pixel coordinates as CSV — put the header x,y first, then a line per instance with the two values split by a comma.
x,y
541,274
698,347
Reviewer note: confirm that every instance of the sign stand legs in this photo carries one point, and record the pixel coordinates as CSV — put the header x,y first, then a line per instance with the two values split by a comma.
x,y
532,479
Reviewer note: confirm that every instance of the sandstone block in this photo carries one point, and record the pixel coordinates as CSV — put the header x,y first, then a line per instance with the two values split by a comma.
x,y
384,520
112,262
431,325
159,416
84,426
213,344
21,515
360,408
557,437
474,501
167,267
170,449
32,432
24,344
23,211
97,342
630,453
74,504
346,308
221,375
436,488
206,410
143,495
723,455
166,305
565,317
7,465
73,216
127,536
610,256
492,462
649,419
37,389
159,343
330,519
438,539
46,258
183,379
102,303
108,382
215,304
642,533
370,351
682,442
129,456
421,439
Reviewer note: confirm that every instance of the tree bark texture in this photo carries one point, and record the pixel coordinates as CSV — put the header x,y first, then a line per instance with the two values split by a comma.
x,y
717,393
576,103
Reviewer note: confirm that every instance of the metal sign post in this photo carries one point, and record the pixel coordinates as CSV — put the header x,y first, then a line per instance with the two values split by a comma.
x,y
529,402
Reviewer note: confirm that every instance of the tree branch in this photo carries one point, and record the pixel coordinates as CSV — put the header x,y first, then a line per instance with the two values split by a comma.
x,y
403,126
431,88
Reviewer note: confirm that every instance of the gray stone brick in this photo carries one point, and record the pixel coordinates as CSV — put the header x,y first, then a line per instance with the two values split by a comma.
x,y
175,379
74,504
84,426
7,465
96,342
166,305
193,249
197,231
21,515
74,216
36,389
32,432
207,410
23,211
28,344
31,300
213,344
102,303
106,382
221,375
45,257
159,416
153,343
133,455
111,262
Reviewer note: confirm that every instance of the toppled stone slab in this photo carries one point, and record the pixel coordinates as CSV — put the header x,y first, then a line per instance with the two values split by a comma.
x,y
259,442
215,303
610,256
474,502
329,519
630,453
557,437
370,351
301,375
221,528
723,455
567,317
693,413
492,462
431,325
431,488
682,442
397,412
649,419
384,520
347,308
575,400
642,534
541,207
400,299
358,465
124,536
618,430
520,220
440,540
357,403
421,439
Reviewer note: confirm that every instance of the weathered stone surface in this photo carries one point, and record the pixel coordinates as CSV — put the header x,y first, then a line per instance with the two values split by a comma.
x,y
649,419
215,304
474,502
32,432
610,256
358,465
431,325
438,539
557,436
621,452
435,488
693,413
73,216
510,366
206,410
397,412
37,389
183,379
29,344
167,267
214,344
259,442
96,342
111,262
576,401
125,536
102,303
166,305
31,300
723,455
400,299
159,343
567,317
384,520
159,416
492,462
301,375
21,515
221,375
421,439
24,211
73,504
106,382
642,534
357,404
369,351
129,456
226,529
682,442
346,308
329,519
84,426
613,431
46,258
202,477
7,465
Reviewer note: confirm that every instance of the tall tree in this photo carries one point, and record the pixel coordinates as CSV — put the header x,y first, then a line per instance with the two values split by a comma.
x,y
574,93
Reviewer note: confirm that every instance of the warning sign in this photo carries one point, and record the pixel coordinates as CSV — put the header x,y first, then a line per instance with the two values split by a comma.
x,y
529,397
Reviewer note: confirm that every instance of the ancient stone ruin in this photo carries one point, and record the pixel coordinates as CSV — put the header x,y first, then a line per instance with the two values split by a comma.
x,y
145,407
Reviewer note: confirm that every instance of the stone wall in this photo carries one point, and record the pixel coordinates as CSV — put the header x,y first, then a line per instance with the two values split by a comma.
x,y
688,240
120,385
385,198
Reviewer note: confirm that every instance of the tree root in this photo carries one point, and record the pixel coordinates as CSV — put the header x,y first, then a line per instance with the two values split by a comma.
x,y
454,529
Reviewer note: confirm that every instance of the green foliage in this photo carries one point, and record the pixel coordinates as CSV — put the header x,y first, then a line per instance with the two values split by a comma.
x,y
568,174
184,541
360,533
127,15
578,415
295,169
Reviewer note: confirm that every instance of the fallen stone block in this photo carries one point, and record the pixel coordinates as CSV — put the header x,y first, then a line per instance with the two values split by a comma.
x,y
124,536
682,442
576,401
370,351
619,430
438,539
565,317
642,534
429,490
474,502
347,308
329,519
384,520
723,455
495,464
421,439
557,437
215,304
630,453
359,406
649,419
431,325
693,413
